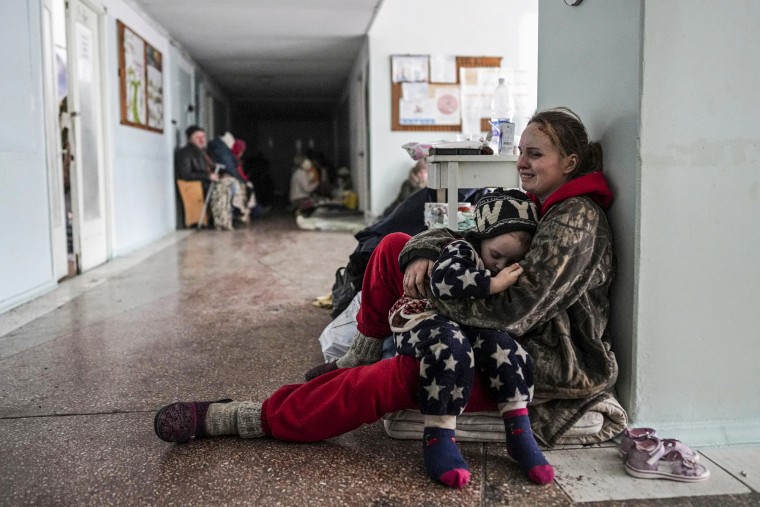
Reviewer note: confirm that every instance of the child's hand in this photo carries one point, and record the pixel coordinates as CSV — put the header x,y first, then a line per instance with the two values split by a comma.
x,y
505,278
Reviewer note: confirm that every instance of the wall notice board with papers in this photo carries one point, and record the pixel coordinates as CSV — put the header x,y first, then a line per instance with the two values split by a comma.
x,y
426,91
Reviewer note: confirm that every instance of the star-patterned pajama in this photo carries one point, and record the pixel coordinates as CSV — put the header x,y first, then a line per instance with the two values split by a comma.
x,y
448,351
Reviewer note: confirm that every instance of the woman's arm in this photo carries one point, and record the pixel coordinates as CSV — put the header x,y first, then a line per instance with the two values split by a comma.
x,y
569,254
417,257
427,244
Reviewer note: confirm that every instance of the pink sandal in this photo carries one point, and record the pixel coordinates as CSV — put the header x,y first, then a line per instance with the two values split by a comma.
x,y
653,459
633,435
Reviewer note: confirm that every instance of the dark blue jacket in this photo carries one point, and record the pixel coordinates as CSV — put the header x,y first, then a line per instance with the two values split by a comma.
x,y
221,154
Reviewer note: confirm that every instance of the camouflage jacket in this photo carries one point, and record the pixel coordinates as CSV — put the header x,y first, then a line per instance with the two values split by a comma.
x,y
558,309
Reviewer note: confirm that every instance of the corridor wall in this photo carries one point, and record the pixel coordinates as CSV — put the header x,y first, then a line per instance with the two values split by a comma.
x,y
26,265
142,177
140,196
667,89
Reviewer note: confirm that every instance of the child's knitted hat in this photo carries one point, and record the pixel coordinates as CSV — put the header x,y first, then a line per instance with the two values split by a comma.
x,y
504,211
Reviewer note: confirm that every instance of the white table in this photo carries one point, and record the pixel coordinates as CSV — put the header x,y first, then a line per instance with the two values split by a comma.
x,y
452,172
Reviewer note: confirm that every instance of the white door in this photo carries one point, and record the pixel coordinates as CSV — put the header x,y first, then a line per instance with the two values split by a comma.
x,y
88,167
53,145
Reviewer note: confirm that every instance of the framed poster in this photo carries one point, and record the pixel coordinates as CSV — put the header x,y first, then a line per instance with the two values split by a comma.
x,y
155,90
140,81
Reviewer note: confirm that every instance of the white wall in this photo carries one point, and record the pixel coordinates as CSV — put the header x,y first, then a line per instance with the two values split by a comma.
x,y
698,339
25,243
668,88
590,61
142,176
506,28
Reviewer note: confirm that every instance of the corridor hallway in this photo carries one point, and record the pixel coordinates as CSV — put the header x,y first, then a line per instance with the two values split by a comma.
x,y
206,315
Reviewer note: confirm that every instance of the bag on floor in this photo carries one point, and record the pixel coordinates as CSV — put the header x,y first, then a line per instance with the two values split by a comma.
x,y
343,291
338,335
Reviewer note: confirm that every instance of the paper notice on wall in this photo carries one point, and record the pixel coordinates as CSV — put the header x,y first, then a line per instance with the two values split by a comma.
x,y
423,104
417,112
414,91
443,69
409,68
447,104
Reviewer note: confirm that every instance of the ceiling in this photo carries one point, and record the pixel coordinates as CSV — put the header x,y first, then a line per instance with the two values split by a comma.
x,y
275,57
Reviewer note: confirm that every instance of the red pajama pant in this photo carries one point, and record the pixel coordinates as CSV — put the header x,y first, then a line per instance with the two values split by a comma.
x,y
345,399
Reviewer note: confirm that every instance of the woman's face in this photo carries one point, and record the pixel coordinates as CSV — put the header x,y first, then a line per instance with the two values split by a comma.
x,y
541,166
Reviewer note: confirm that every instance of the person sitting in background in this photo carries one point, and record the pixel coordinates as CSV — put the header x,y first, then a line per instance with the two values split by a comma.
x,y
191,162
231,182
193,170
416,180
303,184
238,149
325,169
220,150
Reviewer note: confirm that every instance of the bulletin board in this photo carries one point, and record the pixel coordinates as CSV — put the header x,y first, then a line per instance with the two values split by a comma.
x,y
140,81
411,72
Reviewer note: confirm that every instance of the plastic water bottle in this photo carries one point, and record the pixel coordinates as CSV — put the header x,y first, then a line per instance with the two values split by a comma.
x,y
502,127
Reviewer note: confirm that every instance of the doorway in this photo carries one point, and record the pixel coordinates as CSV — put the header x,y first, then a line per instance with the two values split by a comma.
x,y
85,104
74,126
57,136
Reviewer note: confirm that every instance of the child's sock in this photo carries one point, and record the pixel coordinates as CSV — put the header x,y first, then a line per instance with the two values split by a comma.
x,y
522,447
443,461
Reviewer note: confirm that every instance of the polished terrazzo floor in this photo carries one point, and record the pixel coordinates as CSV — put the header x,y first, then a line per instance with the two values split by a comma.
x,y
204,315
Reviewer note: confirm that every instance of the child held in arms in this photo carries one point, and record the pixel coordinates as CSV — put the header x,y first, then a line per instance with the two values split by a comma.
x,y
483,262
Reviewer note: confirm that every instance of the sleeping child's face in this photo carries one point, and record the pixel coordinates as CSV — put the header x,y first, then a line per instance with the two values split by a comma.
x,y
504,250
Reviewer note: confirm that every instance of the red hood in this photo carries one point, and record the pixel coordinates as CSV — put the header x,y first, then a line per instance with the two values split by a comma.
x,y
593,185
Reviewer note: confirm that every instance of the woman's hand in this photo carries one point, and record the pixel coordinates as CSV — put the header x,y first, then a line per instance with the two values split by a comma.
x,y
417,273
505,278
